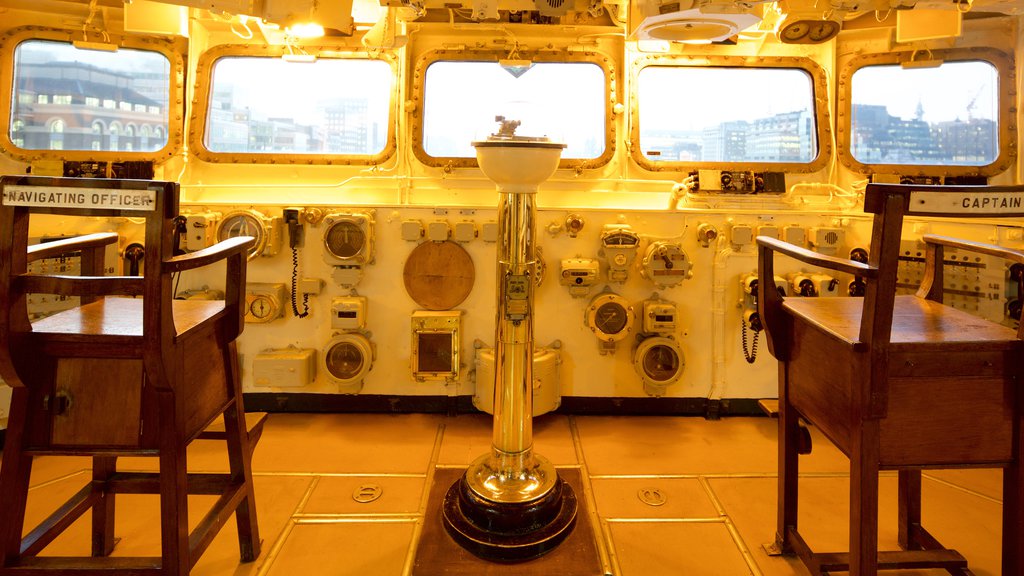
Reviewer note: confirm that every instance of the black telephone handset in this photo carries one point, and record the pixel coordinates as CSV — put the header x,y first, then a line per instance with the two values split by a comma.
x,y
291,217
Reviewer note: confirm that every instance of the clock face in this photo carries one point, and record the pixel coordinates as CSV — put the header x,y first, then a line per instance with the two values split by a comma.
x,y
611,318
345,361
243,224
345,239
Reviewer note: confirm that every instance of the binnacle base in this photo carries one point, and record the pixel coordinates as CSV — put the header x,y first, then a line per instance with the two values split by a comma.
x,y
509,532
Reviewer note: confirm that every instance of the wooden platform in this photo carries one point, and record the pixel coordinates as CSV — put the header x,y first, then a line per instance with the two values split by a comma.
x,y
439,555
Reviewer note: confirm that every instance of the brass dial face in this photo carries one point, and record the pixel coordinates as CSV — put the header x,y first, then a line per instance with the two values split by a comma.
x,y
345,239
611,318
345,361
243,224
262,307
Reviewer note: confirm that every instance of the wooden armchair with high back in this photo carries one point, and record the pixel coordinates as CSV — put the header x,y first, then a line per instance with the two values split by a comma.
x,y
899,382
131,371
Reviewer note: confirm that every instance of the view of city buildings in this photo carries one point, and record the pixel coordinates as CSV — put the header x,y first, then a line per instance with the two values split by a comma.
x,y
63,105
340,126
877,137
66,104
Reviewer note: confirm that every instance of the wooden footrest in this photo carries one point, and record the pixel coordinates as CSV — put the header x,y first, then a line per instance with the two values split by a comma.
x,y
254,422
87,565
770,407
895,560
826,562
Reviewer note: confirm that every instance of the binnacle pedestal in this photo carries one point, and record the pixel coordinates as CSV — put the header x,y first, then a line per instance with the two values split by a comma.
x,y
511,505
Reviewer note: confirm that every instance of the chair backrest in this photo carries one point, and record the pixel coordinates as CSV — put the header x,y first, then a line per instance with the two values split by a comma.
x,y
890,203
21,196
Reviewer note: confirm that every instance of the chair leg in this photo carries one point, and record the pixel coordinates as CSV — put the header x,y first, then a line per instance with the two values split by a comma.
x,y
1013,502
864,500
909,508
14,479
789,465
103,511
173,492
240,459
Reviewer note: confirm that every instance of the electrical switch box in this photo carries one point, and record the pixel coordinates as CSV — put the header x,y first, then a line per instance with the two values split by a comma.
x,y
464,231
489,231
412,230
348,313
286,368
438,231
579,274
741,234
201,230
795,235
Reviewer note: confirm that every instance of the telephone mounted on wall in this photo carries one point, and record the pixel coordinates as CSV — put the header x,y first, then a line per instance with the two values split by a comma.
x,y
295,237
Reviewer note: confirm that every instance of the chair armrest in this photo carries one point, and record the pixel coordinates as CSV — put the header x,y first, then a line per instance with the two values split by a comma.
x,y
207,256
234,251
769,301
817,259
73,244
979,247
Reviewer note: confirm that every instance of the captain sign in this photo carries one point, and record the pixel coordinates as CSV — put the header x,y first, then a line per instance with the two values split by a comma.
x,y
995,202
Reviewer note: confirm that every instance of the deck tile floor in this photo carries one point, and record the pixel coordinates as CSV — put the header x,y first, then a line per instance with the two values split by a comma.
x,y
716,481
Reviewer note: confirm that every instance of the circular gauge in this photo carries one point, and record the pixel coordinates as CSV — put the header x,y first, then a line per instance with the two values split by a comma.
x,y
263,308
244,223
347,359
659,362
795,32
345,239
348,239
823,31
610,317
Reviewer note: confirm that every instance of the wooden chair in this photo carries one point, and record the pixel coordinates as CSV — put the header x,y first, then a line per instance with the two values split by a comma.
x,y
898,382
128,372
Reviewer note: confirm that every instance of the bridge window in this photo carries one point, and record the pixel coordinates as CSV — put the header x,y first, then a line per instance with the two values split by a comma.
x,y
52,70
717,114
565,101
272,106
933,116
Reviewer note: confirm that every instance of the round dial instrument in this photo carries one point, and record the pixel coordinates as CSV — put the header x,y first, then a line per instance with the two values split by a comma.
x,y
795,31
347,359
666,264
345,239
245,223
659,362
610,317
348,239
